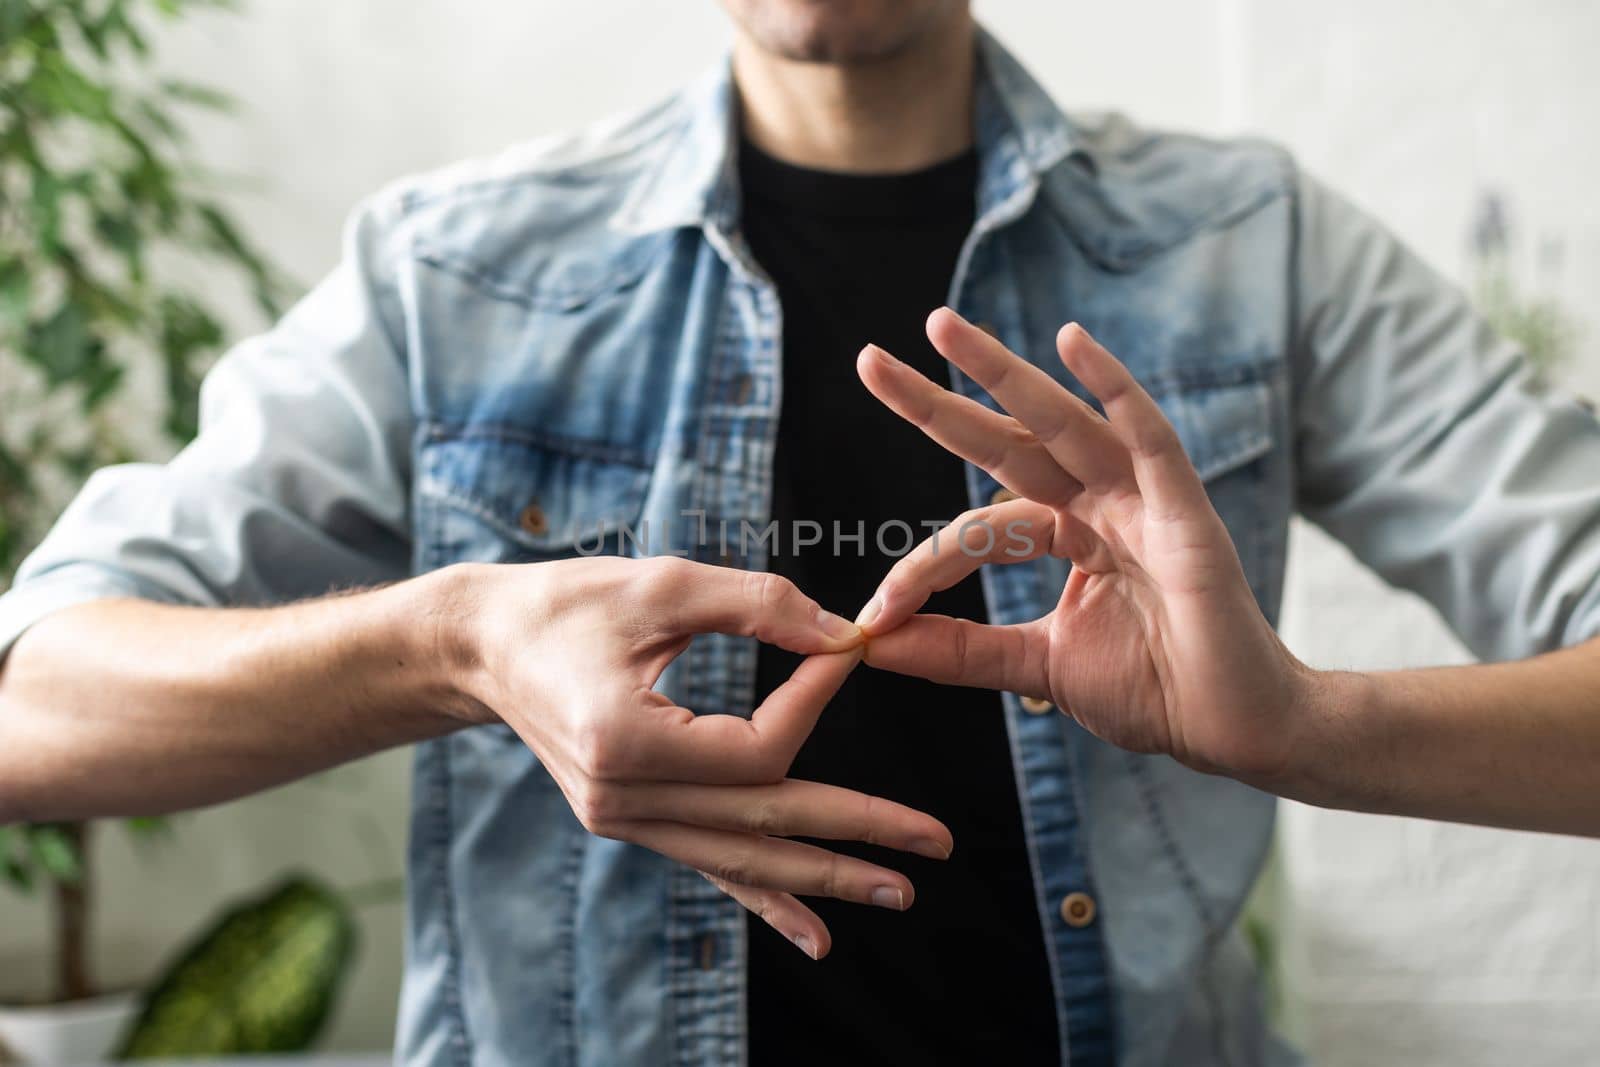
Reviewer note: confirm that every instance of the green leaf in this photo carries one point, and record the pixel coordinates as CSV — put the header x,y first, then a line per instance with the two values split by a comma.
x,y
63,87
19,875
55,853
96,198
187,330
160,121
99,383
14,865
94,37
200,96
63,347
262,980
14,289
45,207
121,232
10,547
116,22
16,480
14,15
224,237
148,827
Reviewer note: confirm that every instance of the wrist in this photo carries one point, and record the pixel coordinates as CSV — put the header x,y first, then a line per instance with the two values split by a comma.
x,y
440,621
1329,712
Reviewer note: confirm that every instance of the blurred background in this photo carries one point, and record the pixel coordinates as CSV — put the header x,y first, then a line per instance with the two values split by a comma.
x,y
1468,125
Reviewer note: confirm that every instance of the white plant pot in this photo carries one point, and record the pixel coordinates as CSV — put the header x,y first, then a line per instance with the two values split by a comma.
x,y
66,1035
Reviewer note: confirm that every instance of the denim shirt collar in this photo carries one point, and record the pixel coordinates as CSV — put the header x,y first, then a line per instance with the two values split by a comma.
x,y
1020,135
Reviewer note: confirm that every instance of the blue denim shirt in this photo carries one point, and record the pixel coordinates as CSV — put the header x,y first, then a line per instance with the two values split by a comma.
x,y
518,352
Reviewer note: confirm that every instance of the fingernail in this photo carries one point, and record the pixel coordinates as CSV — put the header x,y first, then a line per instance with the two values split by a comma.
x,y
927,846
889,897
883,354
873,609
836,627
805,944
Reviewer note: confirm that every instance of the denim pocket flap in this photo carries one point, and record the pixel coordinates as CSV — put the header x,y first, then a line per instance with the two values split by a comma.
x,y
1222,427
545,496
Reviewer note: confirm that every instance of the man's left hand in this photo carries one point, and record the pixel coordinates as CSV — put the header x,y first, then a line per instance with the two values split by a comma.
x,y
1157,643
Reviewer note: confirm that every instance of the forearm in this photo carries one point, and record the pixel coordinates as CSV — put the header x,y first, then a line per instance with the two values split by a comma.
x,y
128,707
1506,744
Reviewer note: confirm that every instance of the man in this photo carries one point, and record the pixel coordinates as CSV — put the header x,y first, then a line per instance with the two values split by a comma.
x,y
642,340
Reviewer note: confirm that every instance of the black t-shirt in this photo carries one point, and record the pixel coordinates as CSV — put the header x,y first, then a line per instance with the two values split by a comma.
x,y
962,974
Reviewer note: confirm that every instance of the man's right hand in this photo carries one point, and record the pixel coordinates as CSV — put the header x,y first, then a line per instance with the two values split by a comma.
x,y
180,707
567,653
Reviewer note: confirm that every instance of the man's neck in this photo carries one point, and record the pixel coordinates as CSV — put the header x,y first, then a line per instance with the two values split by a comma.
x,y
892,115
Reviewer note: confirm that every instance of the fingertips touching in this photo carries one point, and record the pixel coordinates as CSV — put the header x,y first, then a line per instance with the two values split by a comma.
x,y
887,609
869,613
837,630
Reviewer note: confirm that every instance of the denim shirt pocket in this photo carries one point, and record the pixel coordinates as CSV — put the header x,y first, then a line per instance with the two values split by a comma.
x,y
503,494
1226,426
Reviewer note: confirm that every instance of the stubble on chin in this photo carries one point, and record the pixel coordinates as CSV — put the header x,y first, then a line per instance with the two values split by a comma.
x,y
818,32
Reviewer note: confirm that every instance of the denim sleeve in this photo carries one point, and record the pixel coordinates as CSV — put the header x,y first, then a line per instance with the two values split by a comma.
x,y
1422,447
296,484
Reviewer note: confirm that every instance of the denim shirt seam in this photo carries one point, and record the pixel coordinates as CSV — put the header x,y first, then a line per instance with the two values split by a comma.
x,y
1029,823
461,1040
440,430
567,940
1187,877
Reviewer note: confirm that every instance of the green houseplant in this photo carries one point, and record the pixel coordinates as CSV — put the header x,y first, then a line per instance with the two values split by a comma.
x,y
1545,331
101,347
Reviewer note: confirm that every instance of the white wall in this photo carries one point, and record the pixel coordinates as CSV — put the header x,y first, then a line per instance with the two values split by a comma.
x,y
1403,933
1405,941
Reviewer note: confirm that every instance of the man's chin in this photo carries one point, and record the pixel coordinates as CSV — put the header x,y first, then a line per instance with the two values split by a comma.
x,y
828,55
831,44
837,32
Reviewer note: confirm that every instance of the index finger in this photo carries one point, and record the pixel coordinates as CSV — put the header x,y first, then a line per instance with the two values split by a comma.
x,y
685,597
1070,430
1166,478
1014,532
730,750
997,443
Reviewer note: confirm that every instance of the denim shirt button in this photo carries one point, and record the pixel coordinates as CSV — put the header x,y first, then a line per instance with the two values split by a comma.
x,y
1077,909
1036,705
532,519
1001,495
